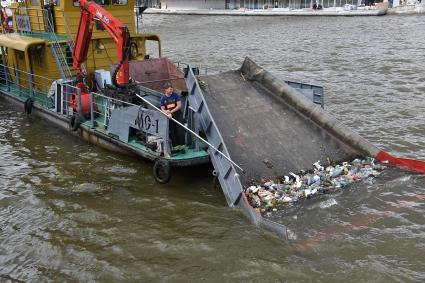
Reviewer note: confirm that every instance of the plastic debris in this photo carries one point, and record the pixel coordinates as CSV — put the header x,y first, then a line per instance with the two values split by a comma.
x,y
270,196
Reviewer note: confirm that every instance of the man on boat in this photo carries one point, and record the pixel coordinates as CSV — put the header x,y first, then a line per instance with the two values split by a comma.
x,y
171,105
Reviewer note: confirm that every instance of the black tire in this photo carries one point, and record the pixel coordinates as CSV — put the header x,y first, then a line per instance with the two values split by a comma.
x,y
28,105
162,171
74,122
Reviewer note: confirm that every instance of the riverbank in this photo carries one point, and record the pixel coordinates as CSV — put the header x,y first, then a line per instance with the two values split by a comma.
x,y
338,11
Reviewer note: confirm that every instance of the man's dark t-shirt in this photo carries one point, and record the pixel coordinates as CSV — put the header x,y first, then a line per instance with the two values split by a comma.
x,y
176,133
170,102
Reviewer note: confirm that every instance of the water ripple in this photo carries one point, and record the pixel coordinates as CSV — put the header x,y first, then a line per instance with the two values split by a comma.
x,y
73,212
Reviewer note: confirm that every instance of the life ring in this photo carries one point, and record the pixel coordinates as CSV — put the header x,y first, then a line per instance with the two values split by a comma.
x,y
28,105
74,122
162,171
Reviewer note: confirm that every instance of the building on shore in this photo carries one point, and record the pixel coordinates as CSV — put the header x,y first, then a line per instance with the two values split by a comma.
x,y
407,5
249,4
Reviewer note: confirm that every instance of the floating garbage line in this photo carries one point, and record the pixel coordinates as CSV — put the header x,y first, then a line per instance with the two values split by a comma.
x,y
272,196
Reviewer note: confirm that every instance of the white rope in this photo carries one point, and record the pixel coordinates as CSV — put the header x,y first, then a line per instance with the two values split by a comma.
x,y
193,133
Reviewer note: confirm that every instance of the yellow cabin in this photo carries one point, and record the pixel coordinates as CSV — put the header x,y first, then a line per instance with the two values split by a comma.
x,y
42,41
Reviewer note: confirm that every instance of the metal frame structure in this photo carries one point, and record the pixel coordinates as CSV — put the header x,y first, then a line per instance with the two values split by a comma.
x,y
224,170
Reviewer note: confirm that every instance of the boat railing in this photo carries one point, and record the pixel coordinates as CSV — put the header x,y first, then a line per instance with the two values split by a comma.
x,y
25,84
62,96
42,90
47,93
102,107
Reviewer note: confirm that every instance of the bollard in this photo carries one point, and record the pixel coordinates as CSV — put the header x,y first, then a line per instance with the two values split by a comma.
x,y
6,77
18,80
64,90
46,94
80,108
30,85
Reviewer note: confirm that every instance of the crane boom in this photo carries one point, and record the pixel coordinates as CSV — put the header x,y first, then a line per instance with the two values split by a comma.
x,y
90,11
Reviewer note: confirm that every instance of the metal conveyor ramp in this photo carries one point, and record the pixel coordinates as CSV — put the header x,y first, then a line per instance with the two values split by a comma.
x,y
267,127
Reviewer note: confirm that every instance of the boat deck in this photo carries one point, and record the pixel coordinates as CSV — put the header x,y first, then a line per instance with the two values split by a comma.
x,y
188,153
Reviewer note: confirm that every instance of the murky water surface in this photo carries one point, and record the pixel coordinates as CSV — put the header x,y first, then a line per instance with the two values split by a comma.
x,y
73,212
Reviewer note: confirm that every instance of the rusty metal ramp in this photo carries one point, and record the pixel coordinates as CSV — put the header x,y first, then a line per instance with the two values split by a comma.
x,y
264,133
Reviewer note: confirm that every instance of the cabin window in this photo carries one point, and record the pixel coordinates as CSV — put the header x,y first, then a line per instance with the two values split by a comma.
x,y
54,2
35,3
100,2
20,55
36,53
151,49
119,2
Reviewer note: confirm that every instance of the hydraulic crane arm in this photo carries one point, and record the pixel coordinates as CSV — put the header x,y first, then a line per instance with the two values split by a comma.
x,y
90,11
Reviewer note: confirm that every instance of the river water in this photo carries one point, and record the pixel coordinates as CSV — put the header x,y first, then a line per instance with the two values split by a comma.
x,y
70,211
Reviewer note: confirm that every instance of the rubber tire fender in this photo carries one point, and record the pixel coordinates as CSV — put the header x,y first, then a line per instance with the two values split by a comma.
x,y
74,122
28,105
162,165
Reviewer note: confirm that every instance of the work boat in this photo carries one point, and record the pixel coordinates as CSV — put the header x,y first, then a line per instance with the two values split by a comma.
x,y
59,61
82,66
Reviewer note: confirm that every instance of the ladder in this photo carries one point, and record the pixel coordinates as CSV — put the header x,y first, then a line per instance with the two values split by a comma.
x,y
70,39
57,50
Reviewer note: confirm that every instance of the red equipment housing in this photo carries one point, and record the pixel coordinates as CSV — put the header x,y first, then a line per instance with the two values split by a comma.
x,y
90,11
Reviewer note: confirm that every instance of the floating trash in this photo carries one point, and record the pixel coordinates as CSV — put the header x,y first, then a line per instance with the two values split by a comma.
x,y
272,196
328,203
